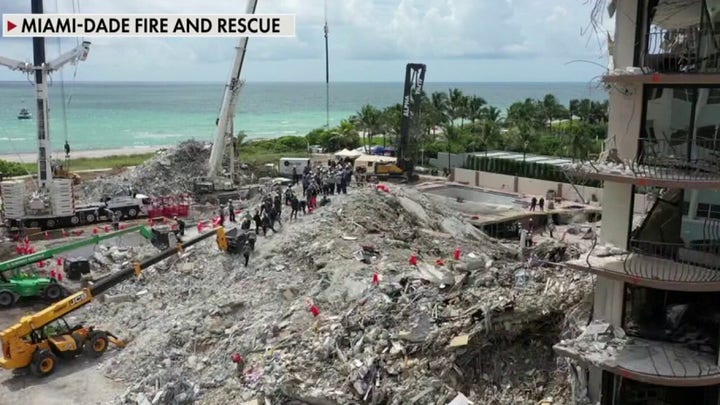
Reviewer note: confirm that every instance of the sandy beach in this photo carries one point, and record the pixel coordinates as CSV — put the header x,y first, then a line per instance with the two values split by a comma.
x,y
32,157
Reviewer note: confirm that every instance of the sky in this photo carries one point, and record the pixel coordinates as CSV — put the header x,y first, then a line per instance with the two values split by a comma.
x,y
370,41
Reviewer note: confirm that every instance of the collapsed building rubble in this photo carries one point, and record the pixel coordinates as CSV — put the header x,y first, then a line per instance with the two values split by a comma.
x,y
170,172
430,333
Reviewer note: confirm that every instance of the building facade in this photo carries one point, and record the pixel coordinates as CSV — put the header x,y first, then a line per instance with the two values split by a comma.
x,y
655,328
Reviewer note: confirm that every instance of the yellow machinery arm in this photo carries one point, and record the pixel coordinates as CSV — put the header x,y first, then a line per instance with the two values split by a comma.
x,y
18,346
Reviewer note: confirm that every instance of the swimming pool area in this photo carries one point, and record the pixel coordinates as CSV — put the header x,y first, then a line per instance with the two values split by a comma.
x,y
475,195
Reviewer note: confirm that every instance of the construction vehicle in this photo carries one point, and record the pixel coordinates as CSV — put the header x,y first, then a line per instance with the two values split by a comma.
x,y
14,284
220,184
403,168
38,340
52,205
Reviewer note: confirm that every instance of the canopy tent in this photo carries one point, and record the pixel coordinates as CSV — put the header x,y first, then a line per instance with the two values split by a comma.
x,y
352,154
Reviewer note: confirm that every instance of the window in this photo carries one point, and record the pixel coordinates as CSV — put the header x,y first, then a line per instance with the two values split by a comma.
x,y
671,316
671,122
683,93
703,210
713,96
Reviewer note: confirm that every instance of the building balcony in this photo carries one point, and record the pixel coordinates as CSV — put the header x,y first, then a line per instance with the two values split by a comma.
x,y
670,266
666,173
648,361
667,163
675,55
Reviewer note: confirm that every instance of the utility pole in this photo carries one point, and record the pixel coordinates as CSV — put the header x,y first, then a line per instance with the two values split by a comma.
x,y
327,73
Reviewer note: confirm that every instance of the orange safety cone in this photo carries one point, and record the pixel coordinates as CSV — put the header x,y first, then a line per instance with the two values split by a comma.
x,y
20,249
456,255
41,264
376,279
59,276
122,226
59,261
52,273
314,310
95,231
107,228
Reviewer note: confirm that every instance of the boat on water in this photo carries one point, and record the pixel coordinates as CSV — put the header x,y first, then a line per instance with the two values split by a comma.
x,y
24,114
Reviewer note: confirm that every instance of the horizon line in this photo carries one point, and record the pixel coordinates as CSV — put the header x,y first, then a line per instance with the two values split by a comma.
x,y
312,82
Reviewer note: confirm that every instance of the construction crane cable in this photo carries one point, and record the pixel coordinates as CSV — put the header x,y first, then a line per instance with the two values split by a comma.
x,y
327,72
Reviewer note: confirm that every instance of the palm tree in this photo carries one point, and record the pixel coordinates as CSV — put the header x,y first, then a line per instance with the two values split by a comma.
x,y
344,135
493,114
439,104
456,100
487,134
368,121
578,141
391,121
552,109
524,135
475,109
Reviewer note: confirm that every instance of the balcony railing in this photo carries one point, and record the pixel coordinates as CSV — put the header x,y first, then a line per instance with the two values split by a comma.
x,y
681,50
693,263
663,163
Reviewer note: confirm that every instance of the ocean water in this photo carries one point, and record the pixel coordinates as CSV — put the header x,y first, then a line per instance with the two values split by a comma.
x,y
131,115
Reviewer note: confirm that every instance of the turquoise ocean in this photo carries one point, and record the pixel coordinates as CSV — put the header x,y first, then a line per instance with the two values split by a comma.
x,y
134,115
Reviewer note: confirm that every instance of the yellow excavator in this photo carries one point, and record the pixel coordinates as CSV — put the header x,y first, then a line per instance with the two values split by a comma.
x,y
39,340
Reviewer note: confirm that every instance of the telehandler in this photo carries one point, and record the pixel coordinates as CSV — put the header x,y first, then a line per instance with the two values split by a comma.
x,y
40,339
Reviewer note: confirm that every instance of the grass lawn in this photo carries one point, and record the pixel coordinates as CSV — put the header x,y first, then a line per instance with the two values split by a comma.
x,y
118,161
107,162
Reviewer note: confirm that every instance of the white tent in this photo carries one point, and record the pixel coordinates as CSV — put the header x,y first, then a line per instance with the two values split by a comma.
x,y
352,154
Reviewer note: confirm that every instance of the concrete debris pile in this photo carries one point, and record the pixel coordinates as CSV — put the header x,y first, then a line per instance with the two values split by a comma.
x,y
598,343
169,173
331,311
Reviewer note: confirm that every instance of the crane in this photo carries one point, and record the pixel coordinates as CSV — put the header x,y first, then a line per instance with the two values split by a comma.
x,y
53,204
219,180
412,98
37,340
42,69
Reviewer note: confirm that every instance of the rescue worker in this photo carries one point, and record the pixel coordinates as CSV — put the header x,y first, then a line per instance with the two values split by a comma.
x,y
338,180
294,176
231,211
267,223
295,206
533,203
258,222
541,204
67,149
247,221
181,226
115,218
221,211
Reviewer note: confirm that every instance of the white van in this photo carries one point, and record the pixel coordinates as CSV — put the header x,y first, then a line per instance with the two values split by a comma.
x,y
287,164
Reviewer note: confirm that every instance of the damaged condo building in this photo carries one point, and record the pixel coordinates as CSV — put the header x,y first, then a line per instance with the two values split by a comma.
x,y
653,338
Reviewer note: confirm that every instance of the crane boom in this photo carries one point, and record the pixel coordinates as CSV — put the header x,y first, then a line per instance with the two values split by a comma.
x,y
414,79
227,111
